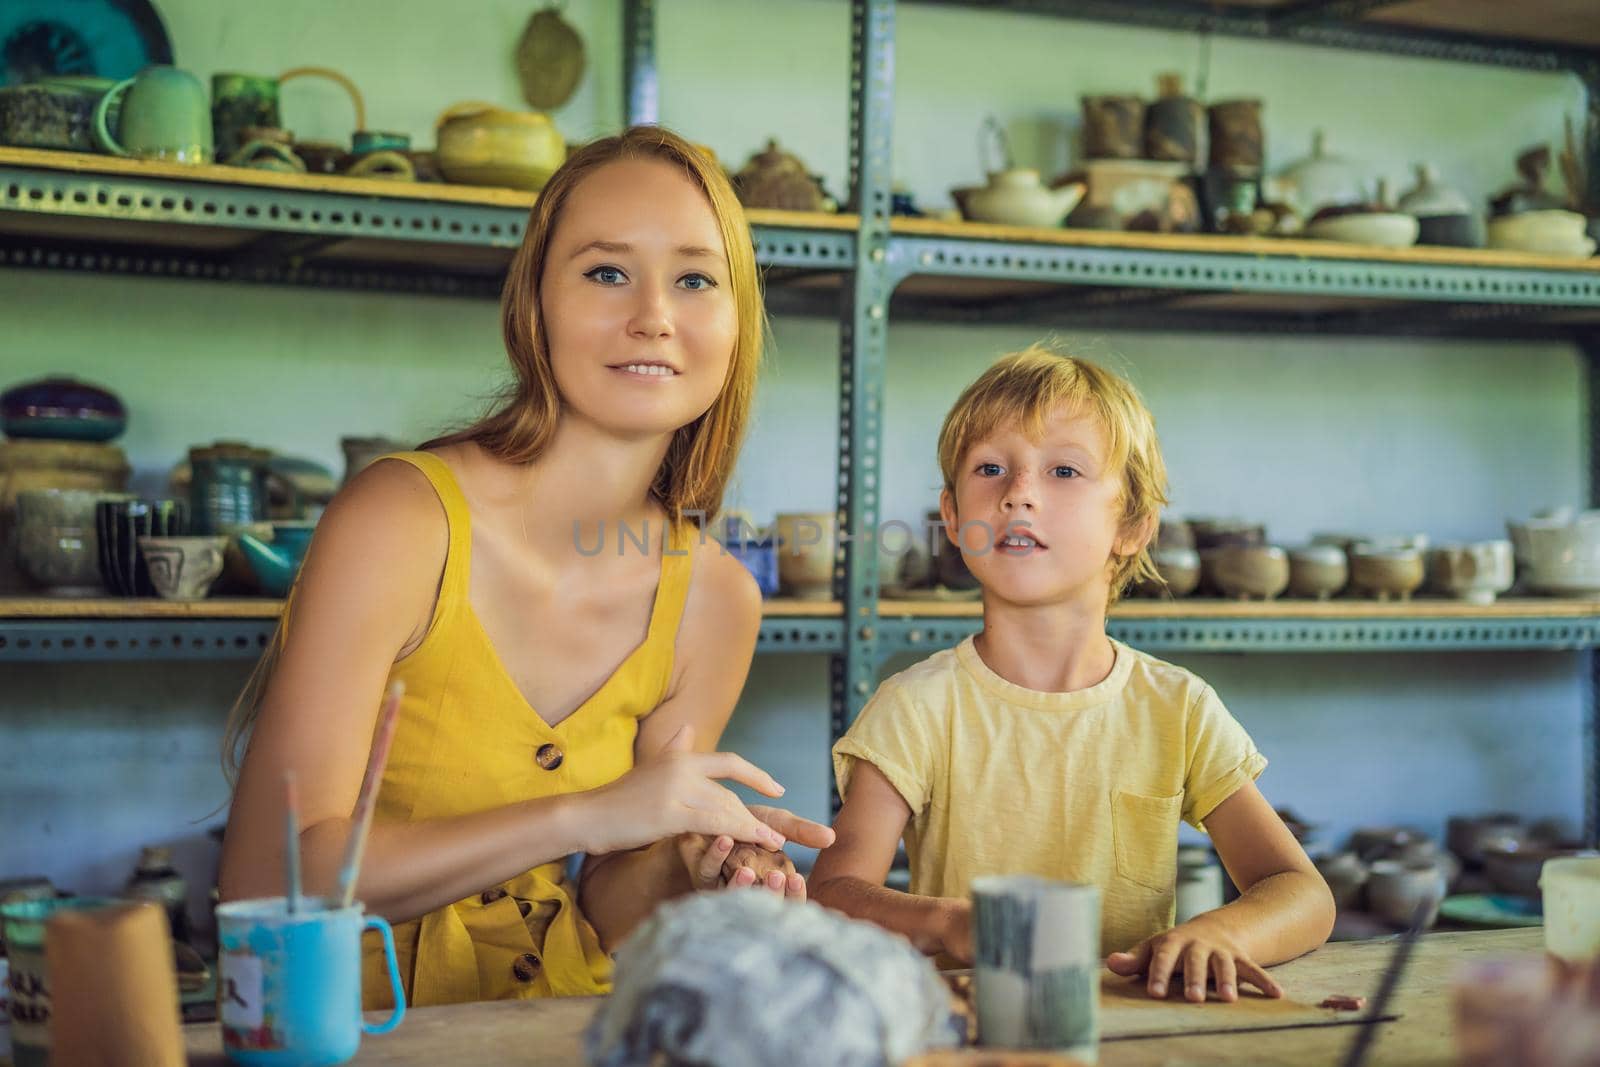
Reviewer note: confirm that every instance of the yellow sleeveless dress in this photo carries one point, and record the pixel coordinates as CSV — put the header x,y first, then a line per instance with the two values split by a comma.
x,y
467,741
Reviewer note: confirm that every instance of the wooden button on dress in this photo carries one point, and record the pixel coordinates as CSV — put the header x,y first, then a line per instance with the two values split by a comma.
x,y
526,967
549,757
489,896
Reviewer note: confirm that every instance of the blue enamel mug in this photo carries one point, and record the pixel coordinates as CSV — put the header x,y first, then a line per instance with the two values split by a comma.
x,y
289,986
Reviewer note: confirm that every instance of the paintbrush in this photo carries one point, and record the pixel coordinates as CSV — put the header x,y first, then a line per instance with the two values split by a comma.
x,y
1391,979
366,800
291,856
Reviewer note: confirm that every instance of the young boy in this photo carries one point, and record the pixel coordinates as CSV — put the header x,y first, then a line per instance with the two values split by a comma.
x,y
1040,745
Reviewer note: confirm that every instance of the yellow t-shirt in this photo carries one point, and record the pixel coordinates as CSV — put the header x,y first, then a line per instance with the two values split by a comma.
x,y
1086,786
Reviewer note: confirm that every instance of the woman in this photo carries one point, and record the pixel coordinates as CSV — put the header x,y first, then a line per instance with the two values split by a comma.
x,y
559,698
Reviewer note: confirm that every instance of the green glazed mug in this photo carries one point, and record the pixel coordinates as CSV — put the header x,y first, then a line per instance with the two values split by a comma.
x,y
164,116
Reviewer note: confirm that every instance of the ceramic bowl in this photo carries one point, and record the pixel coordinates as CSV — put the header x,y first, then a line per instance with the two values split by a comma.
x,y
1386,573
1174,533
1317,571
1250,572
1476,572
1551,233
1469,836
1395,890
1346,876
57,546
182,568
1375,842
62,409
1387,229
1216,533
1179,569
805,546
1563,553
1516,869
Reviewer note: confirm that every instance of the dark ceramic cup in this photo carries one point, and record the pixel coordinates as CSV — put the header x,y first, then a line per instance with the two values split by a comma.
x,y
120,524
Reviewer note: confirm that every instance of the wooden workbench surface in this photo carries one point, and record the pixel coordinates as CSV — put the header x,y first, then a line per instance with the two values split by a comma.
x,y
549,1033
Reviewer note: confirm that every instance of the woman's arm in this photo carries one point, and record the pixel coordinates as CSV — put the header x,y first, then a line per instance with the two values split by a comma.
x,y
1284,910
715,644
849,876
366,594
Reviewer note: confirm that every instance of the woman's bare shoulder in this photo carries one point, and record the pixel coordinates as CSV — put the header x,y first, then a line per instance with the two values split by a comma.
x,y
723,602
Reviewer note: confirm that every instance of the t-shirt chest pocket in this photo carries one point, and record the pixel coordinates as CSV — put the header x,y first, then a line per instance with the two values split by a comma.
x,y
1145,831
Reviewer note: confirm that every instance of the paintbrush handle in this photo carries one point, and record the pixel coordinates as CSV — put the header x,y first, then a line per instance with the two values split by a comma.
x,y
291,856
361,820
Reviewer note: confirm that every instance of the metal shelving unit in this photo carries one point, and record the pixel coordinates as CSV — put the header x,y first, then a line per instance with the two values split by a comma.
x,y
41,631
96,214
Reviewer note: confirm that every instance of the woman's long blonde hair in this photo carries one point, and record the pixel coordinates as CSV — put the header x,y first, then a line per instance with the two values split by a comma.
x,y
700,458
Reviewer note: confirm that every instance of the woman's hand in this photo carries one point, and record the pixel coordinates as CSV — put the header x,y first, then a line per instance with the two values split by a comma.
x,y
677,792
1202,948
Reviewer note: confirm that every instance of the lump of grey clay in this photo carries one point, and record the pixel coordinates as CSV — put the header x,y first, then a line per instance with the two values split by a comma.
x,y
744,977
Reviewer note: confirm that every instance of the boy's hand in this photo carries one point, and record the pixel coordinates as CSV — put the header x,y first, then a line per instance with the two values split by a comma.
x,y
1201,948
704,857
750,865
955,931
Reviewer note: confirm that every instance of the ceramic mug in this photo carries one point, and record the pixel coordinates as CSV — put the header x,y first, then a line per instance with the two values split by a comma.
x,y
164,116
24,923
289,986
182,568
1037,964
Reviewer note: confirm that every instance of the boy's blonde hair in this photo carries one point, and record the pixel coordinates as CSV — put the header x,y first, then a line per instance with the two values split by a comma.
x,y
1026,388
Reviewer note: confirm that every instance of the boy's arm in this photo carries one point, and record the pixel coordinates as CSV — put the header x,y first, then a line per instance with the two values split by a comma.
x,y
848,875
1285,909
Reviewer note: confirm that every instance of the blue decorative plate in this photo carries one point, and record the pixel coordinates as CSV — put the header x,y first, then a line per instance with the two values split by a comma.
x,y
1492,910
109,38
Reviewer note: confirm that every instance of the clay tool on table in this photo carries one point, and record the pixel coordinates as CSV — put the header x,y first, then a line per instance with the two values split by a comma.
x,y
1391,978
361,821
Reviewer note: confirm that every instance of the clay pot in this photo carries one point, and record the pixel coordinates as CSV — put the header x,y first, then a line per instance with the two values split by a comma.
x,y
1395,890
26,465
1469,836
57,544
1249,572
1386,573
1172,123
1317,572
1179,569
805,547
1516,870
1113,127
1375,842
1346,876
774,178
1236,134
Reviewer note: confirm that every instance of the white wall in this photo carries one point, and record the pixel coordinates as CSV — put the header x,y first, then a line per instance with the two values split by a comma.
x,y
1304,433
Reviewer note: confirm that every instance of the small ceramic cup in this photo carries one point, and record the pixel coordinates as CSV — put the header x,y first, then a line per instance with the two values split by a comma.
x,y
1386,573
182,568
1396,889
1316,572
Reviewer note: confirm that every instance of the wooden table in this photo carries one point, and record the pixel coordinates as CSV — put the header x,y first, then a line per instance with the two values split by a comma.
x,y
548,1033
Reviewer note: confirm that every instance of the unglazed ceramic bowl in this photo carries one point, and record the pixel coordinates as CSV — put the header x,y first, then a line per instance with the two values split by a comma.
x,y
1250,572
1476,572
1386,573
1317,572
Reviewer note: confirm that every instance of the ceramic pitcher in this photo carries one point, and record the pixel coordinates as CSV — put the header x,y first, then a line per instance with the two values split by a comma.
x,y
164,116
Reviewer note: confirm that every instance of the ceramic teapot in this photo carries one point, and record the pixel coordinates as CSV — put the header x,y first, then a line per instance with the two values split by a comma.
x,y
1017,198
276,564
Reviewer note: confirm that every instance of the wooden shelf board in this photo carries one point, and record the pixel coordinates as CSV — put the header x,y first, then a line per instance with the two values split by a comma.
x,y
437,192
1421,608
1290,247
112,608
